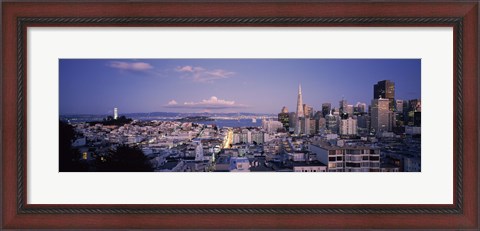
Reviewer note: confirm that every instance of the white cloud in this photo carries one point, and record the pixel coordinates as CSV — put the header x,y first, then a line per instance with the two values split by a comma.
x,y
172,102
209,104
200,74
130,66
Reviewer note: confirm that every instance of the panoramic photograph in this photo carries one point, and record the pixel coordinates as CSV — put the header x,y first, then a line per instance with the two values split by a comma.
x,y
240,115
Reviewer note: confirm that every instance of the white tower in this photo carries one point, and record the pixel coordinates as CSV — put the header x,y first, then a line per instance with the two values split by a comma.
x,y
300,114
300,103
115,113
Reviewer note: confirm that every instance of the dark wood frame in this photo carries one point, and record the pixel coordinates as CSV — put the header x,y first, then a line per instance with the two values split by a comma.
x,y
462,16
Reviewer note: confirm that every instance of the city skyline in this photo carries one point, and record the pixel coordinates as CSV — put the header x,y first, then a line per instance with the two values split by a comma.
x,y
96,86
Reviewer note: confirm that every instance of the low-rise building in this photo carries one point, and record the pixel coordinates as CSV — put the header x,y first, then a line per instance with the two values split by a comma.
x,y
347,158
313,166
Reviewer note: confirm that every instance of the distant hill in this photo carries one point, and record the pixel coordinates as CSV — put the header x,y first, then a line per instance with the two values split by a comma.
x,y
155,116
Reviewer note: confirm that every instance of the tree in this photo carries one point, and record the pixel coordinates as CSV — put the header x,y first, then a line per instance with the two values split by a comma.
x,y
69,158
120,121
124,159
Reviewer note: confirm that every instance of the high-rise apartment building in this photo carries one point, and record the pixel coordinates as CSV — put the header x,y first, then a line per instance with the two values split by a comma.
x,y
348,158
115,113
348,126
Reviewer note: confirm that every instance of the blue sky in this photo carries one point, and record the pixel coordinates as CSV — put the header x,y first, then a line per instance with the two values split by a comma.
x,y
96,86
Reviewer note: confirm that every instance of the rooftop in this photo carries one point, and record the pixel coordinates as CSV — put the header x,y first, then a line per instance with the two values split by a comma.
x,y
311,163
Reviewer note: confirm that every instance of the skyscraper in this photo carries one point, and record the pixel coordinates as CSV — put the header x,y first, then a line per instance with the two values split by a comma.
x,y
399,106
307,111
299,114
331,123
291,121
283,117
361,107
385,89
343,105
326,107
382,117
299,102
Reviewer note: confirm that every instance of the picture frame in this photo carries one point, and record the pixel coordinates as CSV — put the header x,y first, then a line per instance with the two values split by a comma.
x,y
18,16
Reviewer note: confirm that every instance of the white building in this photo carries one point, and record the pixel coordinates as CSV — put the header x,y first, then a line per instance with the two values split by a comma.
x,y
299,156
271,126
348,158
314,166
198,150
239,164
257,137
348,110
348,126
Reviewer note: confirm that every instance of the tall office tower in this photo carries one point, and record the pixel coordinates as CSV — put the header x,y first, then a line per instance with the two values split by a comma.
x,y
413,106
313,127
385,89
399,115
291,121
348,110
308,111
115,113
399,106
305,122
382,117
343,105
361,107
363,124
331,123
299,114
284,118
326,107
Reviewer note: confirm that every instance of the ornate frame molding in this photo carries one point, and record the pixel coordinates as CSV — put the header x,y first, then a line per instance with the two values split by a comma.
x,y
24,22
